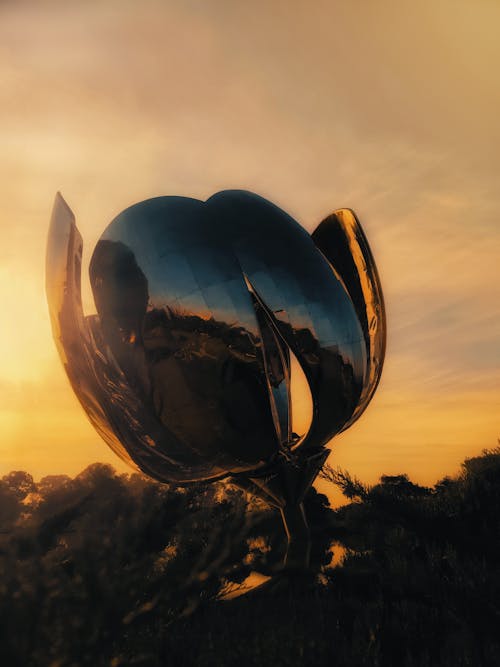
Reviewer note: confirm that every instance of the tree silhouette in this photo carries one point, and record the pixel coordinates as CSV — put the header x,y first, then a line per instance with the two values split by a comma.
x,y
109,569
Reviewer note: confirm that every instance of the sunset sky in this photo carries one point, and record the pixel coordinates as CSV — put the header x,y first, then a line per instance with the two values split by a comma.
x,y
388,107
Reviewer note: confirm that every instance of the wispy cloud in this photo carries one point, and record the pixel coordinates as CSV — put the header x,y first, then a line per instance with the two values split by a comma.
x,y
379,107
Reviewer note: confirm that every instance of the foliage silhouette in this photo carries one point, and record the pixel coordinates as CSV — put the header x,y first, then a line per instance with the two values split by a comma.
x,y
108,569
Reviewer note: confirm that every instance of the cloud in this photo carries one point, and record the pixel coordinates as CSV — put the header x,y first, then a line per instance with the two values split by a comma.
x,y
389,109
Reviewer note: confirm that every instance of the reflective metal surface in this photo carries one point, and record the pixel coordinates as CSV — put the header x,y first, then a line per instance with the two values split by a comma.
x,y
342,241
185,371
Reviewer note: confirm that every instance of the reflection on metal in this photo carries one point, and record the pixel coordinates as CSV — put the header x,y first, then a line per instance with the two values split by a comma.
x,y
342,241
186,370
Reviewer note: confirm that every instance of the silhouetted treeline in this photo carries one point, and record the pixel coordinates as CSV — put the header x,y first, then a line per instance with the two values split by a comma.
x,y
108,569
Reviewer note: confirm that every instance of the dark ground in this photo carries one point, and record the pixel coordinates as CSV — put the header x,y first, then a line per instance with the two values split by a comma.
x,y
109,569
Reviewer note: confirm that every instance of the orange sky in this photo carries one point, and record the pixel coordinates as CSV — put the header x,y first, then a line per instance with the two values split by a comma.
x,y
388,107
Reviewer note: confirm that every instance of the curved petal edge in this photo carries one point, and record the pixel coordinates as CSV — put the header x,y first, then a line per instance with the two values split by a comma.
x,y
343,243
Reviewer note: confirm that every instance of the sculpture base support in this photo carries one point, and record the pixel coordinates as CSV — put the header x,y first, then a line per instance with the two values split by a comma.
x,y
298,551
284,486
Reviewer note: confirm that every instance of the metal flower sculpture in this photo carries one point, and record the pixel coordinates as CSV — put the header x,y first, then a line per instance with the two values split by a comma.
x,y
186,369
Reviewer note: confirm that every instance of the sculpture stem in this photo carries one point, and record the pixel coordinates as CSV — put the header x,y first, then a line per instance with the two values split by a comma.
x,y
299,538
